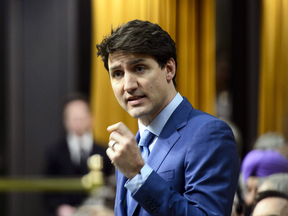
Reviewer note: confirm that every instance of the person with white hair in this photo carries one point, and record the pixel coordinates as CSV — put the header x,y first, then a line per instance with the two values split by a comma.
x,y
277,182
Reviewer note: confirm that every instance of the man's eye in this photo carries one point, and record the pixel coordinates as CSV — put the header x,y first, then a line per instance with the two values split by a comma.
x,y
140,69
117,73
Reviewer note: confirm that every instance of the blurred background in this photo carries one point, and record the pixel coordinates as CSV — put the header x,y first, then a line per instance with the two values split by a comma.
x,y
234,60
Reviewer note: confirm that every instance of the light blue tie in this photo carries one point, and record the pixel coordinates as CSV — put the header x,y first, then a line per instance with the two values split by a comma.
x,y
144,142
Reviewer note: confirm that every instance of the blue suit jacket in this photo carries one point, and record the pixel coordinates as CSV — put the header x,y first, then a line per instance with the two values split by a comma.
x,y
196,168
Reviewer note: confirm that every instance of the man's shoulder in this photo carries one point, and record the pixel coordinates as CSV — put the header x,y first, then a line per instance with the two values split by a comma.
x,y
59,146
203,115
185,108
197,118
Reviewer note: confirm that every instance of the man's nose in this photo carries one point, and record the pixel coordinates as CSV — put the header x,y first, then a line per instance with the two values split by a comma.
x,y
131,82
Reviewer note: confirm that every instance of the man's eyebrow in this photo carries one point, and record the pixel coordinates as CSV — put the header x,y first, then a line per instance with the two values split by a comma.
x,y
115,67
135,61
129,63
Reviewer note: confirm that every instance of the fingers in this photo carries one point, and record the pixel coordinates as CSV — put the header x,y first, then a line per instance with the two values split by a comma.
x,y
121,128
119,135
114,151
110,153
112,143
123,150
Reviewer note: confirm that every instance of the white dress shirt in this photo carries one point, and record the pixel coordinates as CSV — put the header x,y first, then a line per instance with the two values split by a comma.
x,y
78,143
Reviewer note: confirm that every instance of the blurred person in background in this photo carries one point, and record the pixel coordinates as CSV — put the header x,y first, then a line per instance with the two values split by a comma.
x,y
271,144
258,164
275,182
271,195
270,140
271,203
69,157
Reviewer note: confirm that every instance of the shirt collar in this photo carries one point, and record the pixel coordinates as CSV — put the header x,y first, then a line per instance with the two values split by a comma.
x,y
86,141
158,123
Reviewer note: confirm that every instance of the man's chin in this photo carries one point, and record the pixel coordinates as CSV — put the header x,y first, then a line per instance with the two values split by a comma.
x,y
137,114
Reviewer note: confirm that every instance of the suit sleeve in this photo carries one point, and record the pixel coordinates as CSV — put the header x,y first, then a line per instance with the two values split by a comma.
x,y
211,169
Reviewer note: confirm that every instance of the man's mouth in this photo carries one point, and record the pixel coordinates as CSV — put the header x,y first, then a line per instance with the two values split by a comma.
x,y
135,98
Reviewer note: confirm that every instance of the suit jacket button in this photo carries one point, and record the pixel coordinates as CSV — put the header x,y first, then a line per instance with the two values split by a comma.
x,y
156,210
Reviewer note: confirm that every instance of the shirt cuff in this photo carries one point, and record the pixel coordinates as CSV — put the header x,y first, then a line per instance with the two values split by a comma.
x,y
135,183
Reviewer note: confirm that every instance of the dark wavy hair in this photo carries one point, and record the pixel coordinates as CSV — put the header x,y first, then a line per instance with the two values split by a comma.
x,y
142,37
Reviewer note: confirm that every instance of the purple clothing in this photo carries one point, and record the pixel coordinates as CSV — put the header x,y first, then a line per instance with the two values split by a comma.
x,y
261,163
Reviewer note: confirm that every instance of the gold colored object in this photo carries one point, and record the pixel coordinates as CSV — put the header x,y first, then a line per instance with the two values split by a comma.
x,y
88,182
95,177
36,184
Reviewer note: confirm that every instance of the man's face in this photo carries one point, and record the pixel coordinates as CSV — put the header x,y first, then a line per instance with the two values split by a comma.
x,y
141,87
271,206
77,117
251,190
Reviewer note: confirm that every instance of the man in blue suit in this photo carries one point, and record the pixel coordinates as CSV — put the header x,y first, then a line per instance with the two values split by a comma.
x,y
192,166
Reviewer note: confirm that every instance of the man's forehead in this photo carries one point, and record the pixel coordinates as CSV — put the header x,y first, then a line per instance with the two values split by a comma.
x,y
126,57
116,56
76,104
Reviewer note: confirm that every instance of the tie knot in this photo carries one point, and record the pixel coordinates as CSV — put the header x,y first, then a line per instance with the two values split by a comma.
x,y
146,138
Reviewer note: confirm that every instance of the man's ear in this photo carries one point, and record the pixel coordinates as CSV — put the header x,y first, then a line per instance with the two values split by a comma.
x,y
171,69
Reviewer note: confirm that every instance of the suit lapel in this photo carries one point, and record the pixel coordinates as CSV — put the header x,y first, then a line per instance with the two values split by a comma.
x,y
169,135
161,148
